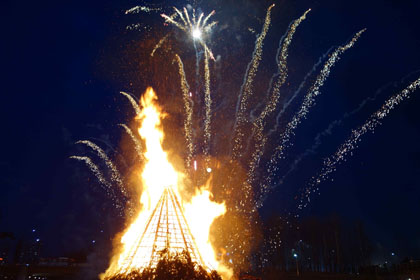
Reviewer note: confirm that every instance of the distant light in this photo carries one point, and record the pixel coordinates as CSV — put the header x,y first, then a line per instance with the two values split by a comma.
x,y
190,93
196,33
295,255
37,240
195,165
208,169
33,230
93,241
392,254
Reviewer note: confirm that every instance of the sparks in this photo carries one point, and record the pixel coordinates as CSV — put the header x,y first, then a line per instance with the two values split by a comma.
x,y
197,29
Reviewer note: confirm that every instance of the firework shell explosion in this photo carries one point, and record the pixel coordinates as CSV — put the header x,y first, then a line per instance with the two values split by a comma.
x,y
218,150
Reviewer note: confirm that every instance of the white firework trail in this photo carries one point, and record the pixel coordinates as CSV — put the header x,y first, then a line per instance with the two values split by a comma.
x,y
188,106
207,99
282,72
208,17
138,26
98,174
138,9
137,144
133,102
308,102
328,131
105,184
331,163
115,175
299,89
259,123
247,88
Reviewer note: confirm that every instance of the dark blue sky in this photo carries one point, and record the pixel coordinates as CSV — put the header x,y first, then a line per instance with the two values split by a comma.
x,y
57,87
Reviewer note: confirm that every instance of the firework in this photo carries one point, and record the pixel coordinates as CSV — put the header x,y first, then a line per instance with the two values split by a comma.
x,y
133,102
258,127
188,111
207,99
138,9
159,44
95,170
115,175
247,87
350,144
299,89
308,102
196,30
137,144
107,186
334,124
328,131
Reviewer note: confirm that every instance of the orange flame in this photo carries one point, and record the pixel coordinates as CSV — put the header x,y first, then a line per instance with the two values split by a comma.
x,y
157,174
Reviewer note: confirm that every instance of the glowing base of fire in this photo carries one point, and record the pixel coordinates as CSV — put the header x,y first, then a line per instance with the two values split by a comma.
x,y
166,230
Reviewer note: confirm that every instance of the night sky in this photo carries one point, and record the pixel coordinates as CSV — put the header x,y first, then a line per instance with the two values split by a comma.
x,y
64,64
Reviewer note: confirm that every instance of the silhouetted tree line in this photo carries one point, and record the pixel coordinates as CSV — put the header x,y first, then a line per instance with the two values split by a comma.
x,y
316,245
171,267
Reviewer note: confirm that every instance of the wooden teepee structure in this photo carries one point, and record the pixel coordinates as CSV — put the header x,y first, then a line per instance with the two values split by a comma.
x,y
166,229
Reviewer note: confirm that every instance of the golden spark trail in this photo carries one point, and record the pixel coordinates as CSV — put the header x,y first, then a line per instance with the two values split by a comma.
x,y
187,17
199,19
137,144
170,20
258,128
115,175
308,102
246,88
330,163
207,99
158,45
180,15
207,17
188,111
210,26
208,51
132,101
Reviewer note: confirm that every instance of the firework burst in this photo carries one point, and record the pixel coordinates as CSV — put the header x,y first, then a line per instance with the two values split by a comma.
x,y
198,30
